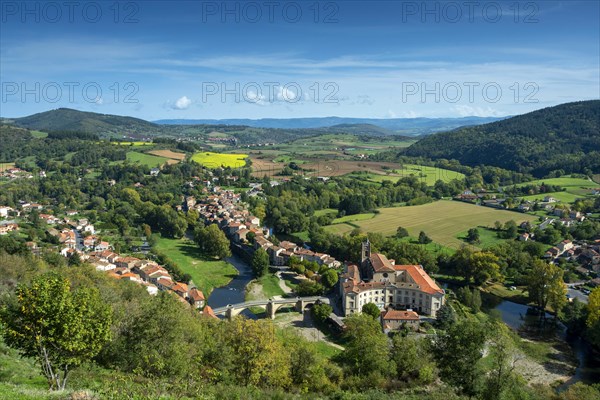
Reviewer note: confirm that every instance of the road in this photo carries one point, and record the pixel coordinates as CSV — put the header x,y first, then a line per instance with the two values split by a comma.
x,y
574,293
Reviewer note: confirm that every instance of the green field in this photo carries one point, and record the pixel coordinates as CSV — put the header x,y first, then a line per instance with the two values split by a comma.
x,y
38,134
146,159
563,197
575,188
326,211
487,237
564,181
216,160
443,220
428,175
352,218
206,274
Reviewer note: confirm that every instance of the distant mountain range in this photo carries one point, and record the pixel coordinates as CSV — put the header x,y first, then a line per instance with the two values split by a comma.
x,y
400,126
563,139
65,119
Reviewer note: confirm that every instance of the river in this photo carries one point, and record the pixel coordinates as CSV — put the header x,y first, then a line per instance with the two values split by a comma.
x,y
520,318
234,291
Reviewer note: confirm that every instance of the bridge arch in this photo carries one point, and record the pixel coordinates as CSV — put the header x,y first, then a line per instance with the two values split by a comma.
x,y
272,305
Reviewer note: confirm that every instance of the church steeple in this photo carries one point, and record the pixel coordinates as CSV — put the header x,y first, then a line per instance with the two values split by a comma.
x,y
365,251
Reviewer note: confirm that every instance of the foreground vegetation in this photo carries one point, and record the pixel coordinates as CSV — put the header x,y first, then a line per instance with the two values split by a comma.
x,y
160,348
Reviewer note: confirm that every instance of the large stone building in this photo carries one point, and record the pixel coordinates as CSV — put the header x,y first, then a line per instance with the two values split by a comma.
x,y
378,280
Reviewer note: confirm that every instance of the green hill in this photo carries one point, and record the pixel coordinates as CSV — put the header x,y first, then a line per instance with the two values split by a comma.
x,y
66,119
563,138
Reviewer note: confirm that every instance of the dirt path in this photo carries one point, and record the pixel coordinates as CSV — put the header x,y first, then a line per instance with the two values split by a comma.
x,y
302,324
282,284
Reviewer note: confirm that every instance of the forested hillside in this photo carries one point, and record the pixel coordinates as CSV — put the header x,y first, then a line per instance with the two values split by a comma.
x,y
565,138
65,119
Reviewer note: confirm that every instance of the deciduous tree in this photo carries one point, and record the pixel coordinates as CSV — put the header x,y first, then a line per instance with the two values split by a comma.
x,y
546,285
212,241
59,327
260,262
372,310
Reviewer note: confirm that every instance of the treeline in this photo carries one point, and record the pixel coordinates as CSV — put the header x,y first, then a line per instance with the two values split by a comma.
x,y
527,190
72,135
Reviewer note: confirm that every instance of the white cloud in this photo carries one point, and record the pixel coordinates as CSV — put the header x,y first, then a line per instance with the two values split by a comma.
x,y
182,103
468,111
285,94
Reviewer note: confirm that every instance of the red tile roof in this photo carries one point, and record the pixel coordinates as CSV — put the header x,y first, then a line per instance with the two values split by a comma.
x,y
420,277
196,295
380,263
400,315
207,311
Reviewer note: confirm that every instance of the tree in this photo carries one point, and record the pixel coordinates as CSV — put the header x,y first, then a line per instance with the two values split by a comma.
x,y
479,266
423,238
546,285
309,288
321,311
473,235
510,229
366,351
401,232
258,359
260,262
212,241
503,356
58,326
445,317
329,278
372,310
458,352
74,259
593,308
412,359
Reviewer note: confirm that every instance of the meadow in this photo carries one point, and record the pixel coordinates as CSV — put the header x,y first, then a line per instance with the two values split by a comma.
x,y
216,160
428,175
207,274
38,134
443,221
575,188
148,159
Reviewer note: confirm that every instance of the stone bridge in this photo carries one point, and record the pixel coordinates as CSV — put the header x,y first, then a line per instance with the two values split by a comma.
x,y
271,305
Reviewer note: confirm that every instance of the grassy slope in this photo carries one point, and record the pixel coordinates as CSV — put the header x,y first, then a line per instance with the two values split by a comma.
x,y
146,159
443,220
575,188
206,274
487,237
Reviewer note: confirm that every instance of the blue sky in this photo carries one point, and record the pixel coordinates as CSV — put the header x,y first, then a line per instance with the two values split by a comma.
x,y
285,59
